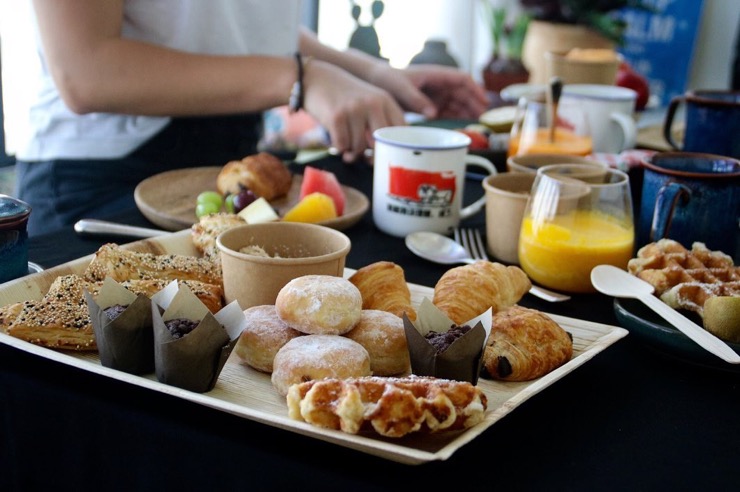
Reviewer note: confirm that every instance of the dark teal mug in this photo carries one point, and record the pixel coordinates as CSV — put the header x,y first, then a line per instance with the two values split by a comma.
x,y
688,197
13,238
712,122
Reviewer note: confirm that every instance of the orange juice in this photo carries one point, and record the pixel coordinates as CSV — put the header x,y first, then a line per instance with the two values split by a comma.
x,y
565,142
561,253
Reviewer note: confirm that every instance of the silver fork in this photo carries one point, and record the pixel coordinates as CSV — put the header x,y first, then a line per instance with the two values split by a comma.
x,y
472,241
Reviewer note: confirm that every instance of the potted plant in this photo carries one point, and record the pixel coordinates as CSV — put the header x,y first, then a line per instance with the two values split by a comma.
x,y
505,66
560,25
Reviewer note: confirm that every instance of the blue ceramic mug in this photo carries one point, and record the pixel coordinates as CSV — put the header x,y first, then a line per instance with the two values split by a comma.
x,y
712,122
689,196
13,238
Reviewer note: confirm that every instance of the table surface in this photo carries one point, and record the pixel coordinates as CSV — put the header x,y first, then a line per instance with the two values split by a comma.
x,y
631,418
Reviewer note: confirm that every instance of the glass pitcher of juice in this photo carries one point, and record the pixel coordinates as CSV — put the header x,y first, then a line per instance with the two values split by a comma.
x,y
570,226
533,134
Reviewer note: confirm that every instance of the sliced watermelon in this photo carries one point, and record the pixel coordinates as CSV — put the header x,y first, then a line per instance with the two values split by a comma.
x,y
319,181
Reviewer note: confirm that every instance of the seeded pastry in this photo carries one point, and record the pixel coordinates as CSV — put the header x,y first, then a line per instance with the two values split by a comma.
x,y
61,319
120,264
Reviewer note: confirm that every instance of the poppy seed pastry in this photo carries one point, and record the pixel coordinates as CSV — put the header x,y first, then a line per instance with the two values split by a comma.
x,y
319,305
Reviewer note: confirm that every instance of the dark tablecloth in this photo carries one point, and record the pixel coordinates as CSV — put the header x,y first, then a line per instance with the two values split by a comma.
x,y
630,418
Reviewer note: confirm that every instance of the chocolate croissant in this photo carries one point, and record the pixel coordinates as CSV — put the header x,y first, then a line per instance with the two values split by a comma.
x,y
383,287
524,344
464,292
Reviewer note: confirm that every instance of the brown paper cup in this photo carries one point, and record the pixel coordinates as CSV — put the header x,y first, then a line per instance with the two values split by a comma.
x,y
127,342
294,249
506,199
462,361
574,71
194,361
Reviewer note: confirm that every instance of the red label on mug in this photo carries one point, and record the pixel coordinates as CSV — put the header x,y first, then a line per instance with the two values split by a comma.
x,y
435,189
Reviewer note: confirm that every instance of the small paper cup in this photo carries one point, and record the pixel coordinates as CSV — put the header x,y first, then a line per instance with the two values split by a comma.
x,y
462,360
294,249
532,162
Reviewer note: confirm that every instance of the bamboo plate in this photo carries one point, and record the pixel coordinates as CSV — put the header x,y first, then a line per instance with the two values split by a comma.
x,y
168,199
249,394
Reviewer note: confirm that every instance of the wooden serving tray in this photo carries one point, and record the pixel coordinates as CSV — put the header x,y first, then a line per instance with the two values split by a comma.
x,y
249,394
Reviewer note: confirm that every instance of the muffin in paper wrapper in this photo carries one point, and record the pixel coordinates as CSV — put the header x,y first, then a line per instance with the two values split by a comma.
x,y
194,361
127,342
462,360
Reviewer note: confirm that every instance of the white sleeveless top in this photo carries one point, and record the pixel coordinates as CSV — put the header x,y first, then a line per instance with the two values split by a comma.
x,y
221,27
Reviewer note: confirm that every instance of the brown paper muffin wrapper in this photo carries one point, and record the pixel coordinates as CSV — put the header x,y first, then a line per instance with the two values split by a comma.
x,y
194,361
127,342
461,361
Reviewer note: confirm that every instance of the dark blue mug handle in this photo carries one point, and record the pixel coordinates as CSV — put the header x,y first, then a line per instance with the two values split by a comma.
x,y
668,122
665,207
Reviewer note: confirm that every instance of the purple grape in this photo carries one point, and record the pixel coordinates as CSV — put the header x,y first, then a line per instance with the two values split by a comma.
x,y
242,199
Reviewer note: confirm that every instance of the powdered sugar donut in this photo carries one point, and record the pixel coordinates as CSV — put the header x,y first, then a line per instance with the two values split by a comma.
x,y
318,357
264,334
319,304
383,336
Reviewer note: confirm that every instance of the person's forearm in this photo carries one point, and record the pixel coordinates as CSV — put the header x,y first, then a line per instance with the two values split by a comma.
x,y
134,78
354,61
96,70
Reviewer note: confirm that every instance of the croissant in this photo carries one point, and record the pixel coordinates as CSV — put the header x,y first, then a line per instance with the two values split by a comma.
x,y
383,287
525,344
464,292
263,173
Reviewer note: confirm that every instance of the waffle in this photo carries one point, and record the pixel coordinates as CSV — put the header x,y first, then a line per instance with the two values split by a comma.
x,y
685,279
393,407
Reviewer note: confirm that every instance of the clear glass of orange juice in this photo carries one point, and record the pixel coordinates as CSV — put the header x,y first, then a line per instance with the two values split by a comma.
x,y
532,132
571,225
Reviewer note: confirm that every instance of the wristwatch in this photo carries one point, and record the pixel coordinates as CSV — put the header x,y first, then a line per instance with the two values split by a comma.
x,y
295,103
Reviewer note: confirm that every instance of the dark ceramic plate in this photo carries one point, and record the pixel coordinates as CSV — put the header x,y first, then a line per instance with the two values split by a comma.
x,y
642,322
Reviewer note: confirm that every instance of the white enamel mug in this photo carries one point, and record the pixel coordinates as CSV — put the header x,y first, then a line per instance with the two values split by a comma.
x,y
419,178
610,110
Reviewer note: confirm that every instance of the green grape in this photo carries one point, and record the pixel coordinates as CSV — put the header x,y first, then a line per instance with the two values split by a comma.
x,y
213,197
207,208
229,203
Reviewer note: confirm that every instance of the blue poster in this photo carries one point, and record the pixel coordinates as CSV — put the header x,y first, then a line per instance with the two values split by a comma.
x,y
660,45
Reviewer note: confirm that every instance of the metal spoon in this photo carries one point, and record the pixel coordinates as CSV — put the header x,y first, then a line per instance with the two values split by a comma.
x,y
615,282
442,249
95,226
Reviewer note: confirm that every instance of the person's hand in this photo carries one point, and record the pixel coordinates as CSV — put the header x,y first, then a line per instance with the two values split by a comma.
x,y
433,90
347,107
